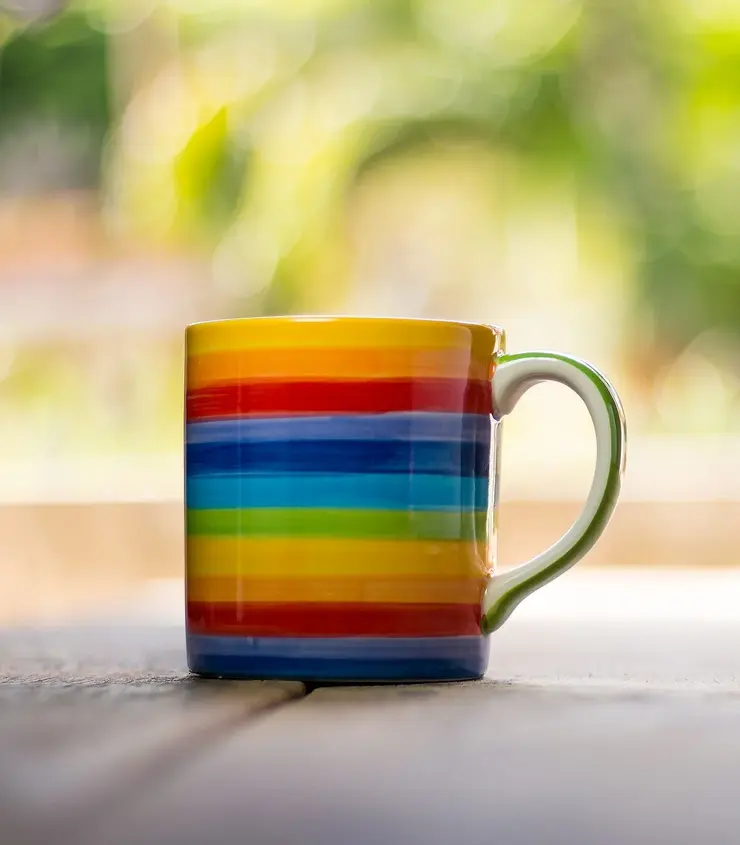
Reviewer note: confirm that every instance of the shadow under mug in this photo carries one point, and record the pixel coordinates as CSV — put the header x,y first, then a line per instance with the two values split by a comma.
x,y
341,495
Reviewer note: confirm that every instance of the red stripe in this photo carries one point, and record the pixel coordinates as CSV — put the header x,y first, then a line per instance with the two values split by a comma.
x,y
334,619
362,397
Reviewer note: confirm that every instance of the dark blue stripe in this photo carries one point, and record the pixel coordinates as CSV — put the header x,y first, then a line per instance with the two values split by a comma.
x,y
340,456
419,425
349,660
305,490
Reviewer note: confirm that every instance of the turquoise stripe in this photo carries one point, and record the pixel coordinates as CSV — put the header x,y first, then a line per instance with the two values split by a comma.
x,y
397,426
362,491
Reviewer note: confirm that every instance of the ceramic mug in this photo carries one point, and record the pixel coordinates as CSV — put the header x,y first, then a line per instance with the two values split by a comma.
x,y
341,495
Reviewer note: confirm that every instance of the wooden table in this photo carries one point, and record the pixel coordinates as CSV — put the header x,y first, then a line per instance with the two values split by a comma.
x,y
594,727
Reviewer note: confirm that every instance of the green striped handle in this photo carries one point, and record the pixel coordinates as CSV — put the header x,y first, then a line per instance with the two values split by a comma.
x,y
513,376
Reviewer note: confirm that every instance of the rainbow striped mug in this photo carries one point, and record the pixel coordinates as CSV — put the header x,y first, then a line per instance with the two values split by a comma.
x,y
341,493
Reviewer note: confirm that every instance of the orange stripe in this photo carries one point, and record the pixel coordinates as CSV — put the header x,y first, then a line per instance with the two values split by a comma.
x,y
334,590
322,364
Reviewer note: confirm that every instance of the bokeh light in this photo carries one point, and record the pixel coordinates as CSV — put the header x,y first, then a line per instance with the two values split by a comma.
x,y
568,169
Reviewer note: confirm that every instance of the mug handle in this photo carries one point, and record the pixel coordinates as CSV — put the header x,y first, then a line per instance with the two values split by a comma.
x,y
512,378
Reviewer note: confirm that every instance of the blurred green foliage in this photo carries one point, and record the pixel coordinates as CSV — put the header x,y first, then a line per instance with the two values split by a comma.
x,y
267,112
54,74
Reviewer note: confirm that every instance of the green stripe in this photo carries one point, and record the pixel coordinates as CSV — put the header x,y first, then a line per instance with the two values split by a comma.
x,y
315,522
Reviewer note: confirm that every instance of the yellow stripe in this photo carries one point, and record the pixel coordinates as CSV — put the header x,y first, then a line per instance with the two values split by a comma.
x,y
324,363
330,558
350,590
340,333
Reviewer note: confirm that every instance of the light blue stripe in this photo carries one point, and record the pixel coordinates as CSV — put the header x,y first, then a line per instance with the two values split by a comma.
x,y
362,491
340,659
402,426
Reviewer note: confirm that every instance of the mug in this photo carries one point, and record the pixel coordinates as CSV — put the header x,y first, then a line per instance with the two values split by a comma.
x,y
342,479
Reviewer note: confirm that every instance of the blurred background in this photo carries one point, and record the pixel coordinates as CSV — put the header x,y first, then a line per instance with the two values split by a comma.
x,y
569,169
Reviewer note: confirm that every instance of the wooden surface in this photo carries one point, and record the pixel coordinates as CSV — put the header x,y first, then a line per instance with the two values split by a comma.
x,y
474,763
92,719
609,726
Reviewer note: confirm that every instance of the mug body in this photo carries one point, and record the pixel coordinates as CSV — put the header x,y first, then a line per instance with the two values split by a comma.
x,y
339,498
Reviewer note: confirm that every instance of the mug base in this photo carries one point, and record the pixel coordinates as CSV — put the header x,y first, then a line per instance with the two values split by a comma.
x,y
352,660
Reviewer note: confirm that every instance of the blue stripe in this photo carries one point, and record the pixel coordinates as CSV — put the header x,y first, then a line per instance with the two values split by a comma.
x,y
356,659
340,456
402,426
386,492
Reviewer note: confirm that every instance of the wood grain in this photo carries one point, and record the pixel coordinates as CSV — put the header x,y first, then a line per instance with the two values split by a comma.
x,y
473,763
90,720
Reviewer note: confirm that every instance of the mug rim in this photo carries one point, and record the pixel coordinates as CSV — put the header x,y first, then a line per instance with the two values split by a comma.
x,y
341,331
228,322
